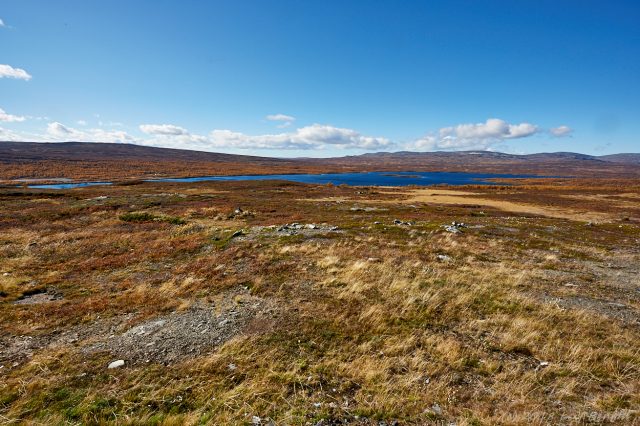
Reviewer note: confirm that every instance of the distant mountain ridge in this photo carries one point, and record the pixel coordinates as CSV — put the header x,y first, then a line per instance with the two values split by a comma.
x,y
627,158
17,151
114,161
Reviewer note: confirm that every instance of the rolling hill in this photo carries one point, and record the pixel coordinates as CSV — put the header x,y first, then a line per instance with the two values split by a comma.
x,y
84,160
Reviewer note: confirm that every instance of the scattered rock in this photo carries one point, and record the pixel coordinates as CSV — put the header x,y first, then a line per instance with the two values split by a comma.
x,y
298,228
443,258
365,209
37,297
542,364
239,212
183,334
116,364
436,409
455,227
290,226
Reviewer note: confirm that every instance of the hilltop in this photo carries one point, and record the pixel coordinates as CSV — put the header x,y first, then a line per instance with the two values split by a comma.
x,y
112,161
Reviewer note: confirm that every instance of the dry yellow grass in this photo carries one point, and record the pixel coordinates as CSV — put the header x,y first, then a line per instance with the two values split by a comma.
x,y
511,321
454,197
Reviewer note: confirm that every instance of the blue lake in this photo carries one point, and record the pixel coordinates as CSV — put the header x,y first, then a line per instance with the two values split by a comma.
x,y
67,185
352,179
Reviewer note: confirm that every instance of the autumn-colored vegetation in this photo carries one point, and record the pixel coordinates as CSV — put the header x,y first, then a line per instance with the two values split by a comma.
x,y
122,162
518,319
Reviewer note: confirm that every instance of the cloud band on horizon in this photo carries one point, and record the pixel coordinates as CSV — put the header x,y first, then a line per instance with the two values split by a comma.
x,y
469,136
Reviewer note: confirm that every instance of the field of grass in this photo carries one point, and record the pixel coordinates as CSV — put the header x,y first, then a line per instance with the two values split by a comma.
x,y
281,303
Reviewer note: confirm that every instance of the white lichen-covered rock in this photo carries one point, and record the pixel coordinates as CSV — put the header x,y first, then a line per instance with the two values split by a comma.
x,y
116,364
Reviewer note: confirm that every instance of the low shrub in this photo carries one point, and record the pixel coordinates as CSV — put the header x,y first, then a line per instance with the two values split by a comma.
x,y
139,217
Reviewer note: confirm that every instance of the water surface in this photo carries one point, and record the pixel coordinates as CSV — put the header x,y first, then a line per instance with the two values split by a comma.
x,y
67,185
352,179
366,179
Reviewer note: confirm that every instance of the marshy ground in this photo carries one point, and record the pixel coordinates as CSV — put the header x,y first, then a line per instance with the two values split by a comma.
x,y
258,302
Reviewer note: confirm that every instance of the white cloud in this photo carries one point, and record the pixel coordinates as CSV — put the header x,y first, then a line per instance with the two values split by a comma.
x,y
58,129
316,136
58,132
561,131
163,129
490,135
521,130
9,136
285,120
474,136
10,72
10,118
280,117
81,123
493,128
2,23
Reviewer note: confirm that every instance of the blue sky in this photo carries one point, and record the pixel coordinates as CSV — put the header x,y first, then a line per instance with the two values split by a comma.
x,y
324,78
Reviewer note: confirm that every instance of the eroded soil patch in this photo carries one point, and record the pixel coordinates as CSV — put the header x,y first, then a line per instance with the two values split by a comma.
x,y
186,334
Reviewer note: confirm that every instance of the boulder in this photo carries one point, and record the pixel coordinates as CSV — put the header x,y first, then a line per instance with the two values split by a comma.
x,y
116,364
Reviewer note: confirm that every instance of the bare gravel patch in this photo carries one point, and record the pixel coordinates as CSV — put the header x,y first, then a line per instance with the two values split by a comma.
x,y
185,334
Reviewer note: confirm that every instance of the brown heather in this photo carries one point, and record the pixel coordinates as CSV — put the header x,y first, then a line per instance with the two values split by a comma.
x,y
524,319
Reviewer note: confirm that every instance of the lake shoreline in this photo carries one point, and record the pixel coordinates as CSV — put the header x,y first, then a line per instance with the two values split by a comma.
x,y
382,178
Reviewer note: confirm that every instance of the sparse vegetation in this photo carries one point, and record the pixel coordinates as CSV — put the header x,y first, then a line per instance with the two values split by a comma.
x,y
525,319
148,217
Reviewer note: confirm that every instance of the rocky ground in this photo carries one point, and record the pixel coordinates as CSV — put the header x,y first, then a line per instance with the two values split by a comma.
x,y
278,303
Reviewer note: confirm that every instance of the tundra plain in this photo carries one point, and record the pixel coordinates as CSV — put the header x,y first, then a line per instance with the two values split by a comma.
x,y
271,302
